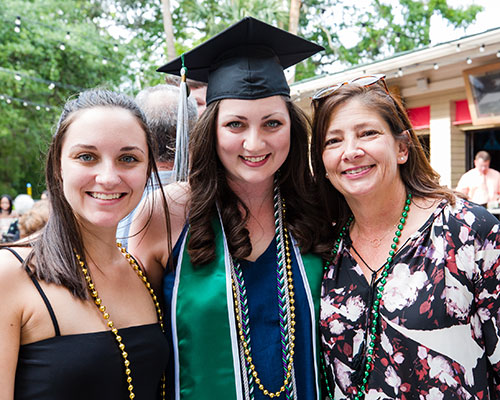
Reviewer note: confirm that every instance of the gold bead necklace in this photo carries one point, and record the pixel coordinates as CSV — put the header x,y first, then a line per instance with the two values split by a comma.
x,y
241,334
285,286
111,325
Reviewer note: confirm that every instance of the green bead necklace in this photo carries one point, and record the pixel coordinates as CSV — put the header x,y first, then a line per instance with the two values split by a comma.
x,y
368,366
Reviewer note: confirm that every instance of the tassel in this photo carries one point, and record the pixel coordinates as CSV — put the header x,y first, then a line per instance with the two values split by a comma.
x,y
181,161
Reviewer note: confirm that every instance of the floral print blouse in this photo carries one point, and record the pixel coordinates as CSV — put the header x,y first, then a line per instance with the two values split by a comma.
x,y
439,330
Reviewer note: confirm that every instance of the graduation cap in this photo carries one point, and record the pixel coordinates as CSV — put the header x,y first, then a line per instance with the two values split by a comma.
x,y
245,61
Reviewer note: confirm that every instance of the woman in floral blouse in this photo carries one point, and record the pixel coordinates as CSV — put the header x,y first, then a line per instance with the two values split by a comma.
x,y
410,306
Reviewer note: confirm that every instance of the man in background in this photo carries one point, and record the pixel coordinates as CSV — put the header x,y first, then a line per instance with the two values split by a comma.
x,y
159,104
482,183
197,91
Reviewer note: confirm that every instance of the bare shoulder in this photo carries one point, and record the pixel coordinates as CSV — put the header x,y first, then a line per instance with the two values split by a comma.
x,y
177,194
150,242
13,282
10,265
13,276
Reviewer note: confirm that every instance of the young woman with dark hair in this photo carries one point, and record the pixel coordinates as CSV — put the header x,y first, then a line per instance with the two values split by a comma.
x,y
78,319
243,287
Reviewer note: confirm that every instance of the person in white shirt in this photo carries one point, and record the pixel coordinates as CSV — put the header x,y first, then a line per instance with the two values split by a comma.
x,y
482,183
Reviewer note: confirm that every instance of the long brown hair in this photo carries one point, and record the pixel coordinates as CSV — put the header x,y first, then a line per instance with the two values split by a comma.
x,y
53,256
209,188
417,174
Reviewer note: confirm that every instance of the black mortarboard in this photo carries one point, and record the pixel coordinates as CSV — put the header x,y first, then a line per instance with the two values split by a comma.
x,y
245,61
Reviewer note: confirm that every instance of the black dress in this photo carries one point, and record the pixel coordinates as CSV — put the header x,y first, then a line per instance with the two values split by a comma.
x,y
90,365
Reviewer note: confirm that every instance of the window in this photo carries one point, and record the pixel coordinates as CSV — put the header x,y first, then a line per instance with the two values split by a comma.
x,y
482,85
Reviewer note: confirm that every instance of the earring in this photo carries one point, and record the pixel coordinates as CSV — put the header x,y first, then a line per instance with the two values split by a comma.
x,y
326,175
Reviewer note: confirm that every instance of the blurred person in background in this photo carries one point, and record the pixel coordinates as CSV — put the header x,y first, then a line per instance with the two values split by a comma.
x,y
159,104
7,213
197,91
34,220
481,184
22,204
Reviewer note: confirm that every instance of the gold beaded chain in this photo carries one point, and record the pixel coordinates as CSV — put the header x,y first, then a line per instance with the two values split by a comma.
x,y
111,325
241,334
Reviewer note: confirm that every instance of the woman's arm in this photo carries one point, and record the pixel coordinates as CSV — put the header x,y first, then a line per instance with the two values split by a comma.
x,y
12,277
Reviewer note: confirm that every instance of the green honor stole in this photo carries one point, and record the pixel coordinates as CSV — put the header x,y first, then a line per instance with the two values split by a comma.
x,y
204,333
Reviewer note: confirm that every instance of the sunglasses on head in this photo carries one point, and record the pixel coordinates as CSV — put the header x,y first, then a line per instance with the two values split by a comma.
x,y
363,81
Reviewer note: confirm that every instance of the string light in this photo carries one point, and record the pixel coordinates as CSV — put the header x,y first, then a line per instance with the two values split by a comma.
x,y
498,54
17,22
24,102
436,66
458,47
62,46
481,49
51,84
469,61
400,72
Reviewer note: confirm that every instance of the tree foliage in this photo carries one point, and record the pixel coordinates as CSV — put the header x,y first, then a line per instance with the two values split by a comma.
x,y
31,57
384,27
49,50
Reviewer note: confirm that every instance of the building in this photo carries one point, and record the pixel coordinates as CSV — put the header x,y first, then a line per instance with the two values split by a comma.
x,y
451,91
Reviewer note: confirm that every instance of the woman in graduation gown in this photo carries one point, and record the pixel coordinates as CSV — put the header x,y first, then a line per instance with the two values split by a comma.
x,y
242,287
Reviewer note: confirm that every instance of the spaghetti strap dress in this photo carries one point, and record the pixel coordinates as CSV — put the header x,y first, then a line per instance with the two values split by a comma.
x,y
90,365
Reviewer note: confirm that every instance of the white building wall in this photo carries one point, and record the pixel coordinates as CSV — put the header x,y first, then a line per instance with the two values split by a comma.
x,y
447,142
440,141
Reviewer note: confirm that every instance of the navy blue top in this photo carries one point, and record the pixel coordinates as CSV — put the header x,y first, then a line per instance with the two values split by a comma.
x,y
261,283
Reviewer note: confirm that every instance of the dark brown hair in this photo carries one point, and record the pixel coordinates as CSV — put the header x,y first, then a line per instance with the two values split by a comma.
x,y
417,174
209,188
53,257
